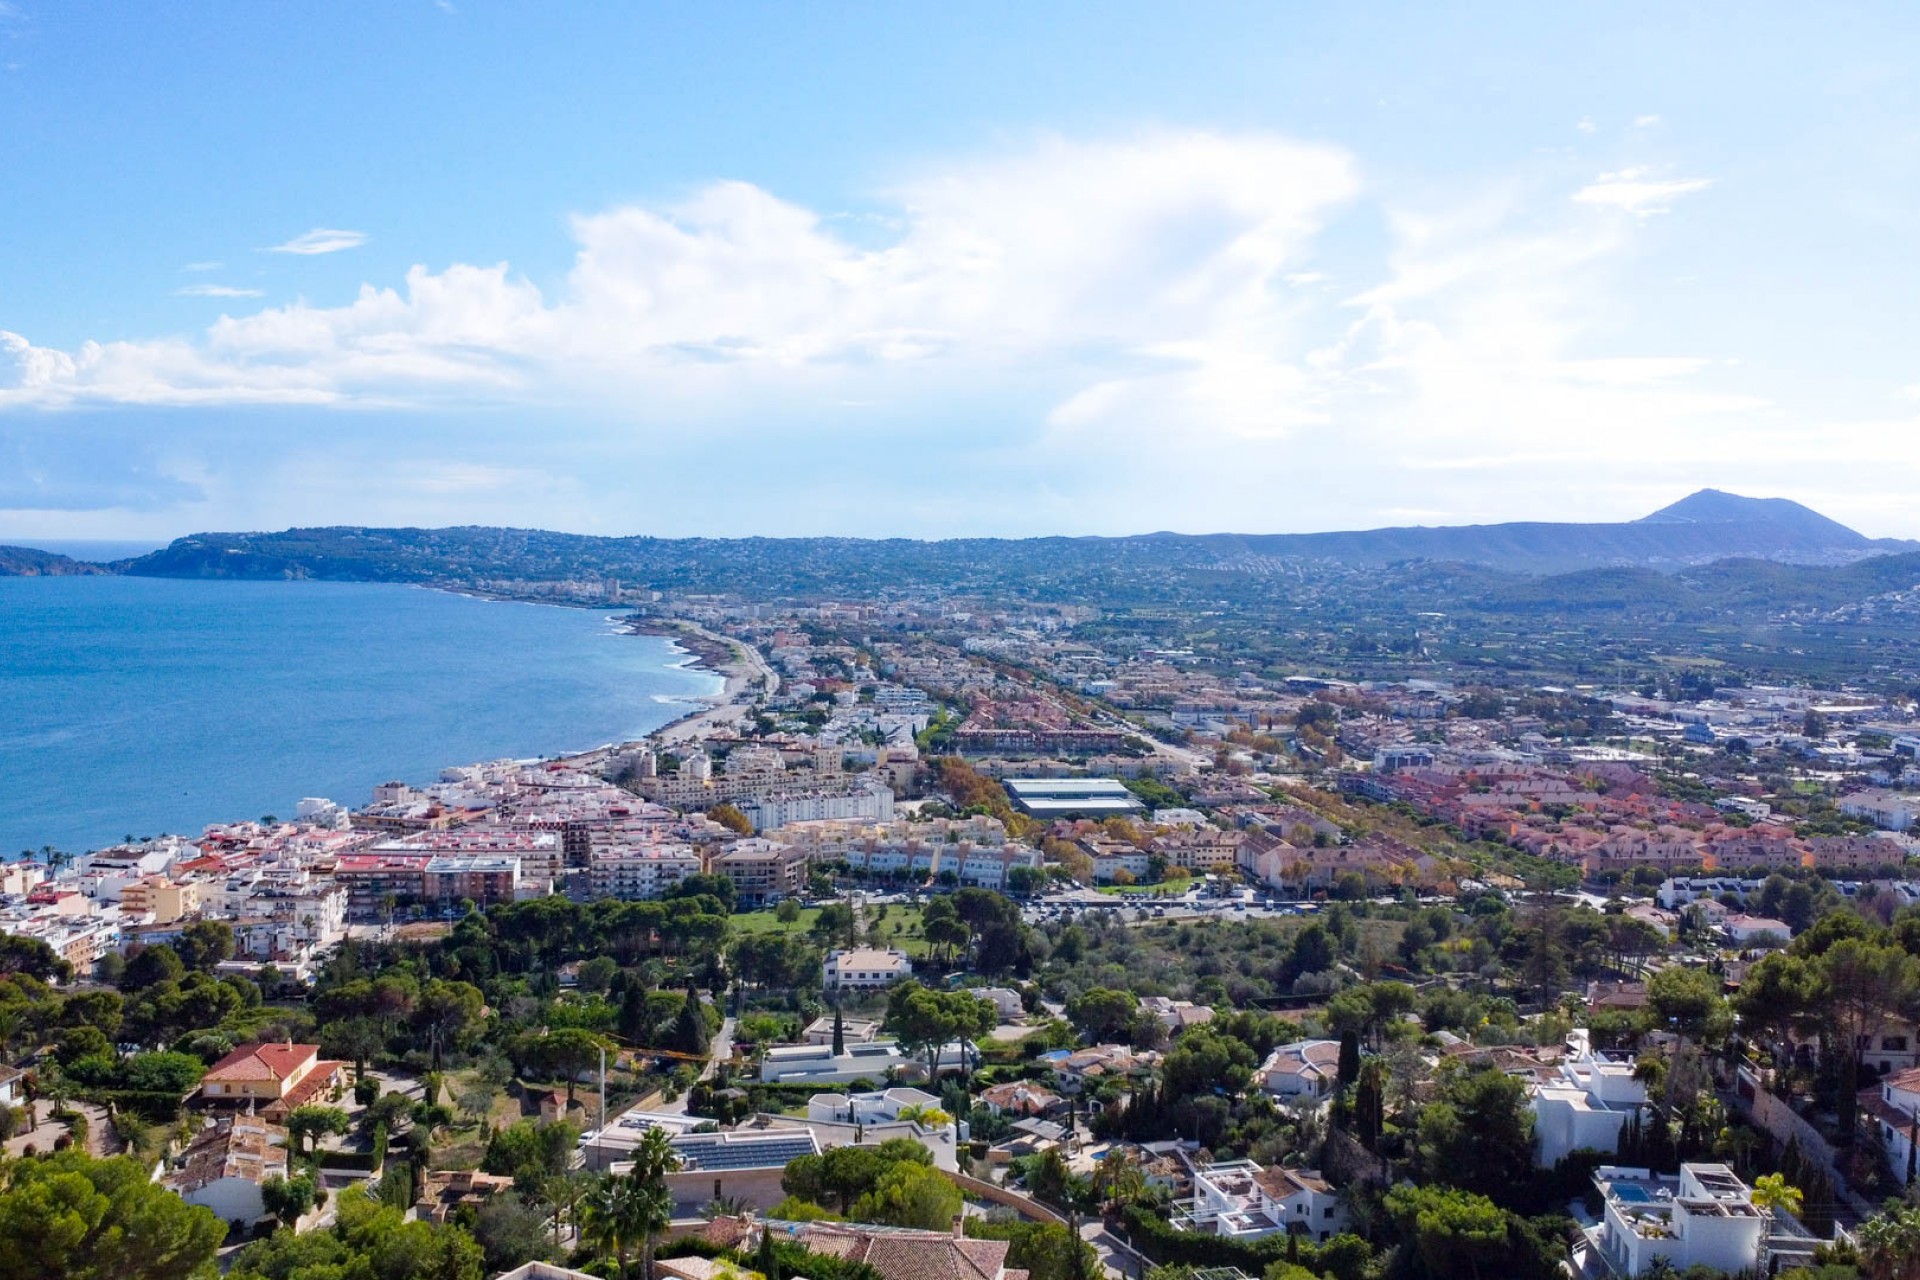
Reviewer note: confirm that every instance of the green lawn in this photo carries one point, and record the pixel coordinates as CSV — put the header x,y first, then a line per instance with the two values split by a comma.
x,y
1171,887
900,927
767,922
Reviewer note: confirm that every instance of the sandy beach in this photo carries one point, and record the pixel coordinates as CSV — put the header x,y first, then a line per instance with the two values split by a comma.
x,y
747,675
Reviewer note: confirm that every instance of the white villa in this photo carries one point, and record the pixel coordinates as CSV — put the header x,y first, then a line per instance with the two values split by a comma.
x,y
1243,1201
1586,1106
1704,1217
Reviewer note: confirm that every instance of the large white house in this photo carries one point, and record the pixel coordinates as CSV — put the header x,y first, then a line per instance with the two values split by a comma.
x,y
1586,1105
1242,1201
1704,1217
884,1105
818,1064
865,967
1893,1115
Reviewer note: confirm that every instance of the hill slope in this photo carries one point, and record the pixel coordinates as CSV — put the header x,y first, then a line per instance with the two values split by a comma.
x,y
27,562
1698,530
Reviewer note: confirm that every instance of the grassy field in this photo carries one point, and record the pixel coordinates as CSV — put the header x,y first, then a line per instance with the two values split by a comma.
x,y
899,927
768,922
1170,887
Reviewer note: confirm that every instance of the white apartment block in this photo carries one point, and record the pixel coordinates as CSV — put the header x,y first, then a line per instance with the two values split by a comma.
x,y
641,873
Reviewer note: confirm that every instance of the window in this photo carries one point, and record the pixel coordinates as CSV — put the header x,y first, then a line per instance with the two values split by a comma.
x,y
1897,1044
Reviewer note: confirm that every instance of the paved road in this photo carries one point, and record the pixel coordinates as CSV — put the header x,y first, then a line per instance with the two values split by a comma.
x,y
722,1052
1114,1259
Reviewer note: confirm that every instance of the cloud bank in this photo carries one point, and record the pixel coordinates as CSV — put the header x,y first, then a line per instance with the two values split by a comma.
x,y
1169,313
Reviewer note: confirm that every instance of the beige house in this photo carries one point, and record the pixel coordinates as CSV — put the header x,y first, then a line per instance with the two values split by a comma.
x,y
274,1077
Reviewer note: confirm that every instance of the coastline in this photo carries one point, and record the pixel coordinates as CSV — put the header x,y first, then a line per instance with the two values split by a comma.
x,y
746,675
677,715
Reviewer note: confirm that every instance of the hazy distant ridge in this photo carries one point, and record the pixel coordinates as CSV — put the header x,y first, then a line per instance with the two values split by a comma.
x,y
27,562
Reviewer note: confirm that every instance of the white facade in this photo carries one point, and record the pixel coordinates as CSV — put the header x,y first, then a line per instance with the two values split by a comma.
x,y
818,1064
1303,1069
1705,1217
865,967
1242,1201
866,802
884,1105
1893,1116
640,874
1586,1106
1005,1001
1886,810
1107,866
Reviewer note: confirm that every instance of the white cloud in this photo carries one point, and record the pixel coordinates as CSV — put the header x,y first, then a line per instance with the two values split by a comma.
x,y
1159,258
203,266
1646,122
1638,191
1138,315
1585,124
321,240
216,291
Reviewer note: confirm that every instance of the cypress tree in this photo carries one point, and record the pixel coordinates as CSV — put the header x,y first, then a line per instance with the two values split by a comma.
x,y
764,1260
1349,1058
690,1033
839,1031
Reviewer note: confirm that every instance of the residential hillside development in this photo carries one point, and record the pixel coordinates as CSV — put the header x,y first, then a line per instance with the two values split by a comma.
x,y
1017,938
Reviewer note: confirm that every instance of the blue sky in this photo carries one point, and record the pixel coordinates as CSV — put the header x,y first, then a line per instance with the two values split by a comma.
x,y
935,270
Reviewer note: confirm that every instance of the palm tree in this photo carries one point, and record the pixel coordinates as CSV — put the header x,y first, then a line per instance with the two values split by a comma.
x,y
1771,1194
651,1202
607,1213
1890,1245
565,1192
652,1215
928,1117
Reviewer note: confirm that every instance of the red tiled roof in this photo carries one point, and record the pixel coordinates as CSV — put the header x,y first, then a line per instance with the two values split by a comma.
x,y
321,1077
262,1061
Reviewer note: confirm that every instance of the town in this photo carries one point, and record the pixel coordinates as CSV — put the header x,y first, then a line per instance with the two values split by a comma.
x,y
967,940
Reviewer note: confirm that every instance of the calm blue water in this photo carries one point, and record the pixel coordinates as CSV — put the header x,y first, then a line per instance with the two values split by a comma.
x,y
139,705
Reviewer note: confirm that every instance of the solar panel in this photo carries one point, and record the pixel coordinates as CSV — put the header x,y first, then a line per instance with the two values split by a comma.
x,y
712,1152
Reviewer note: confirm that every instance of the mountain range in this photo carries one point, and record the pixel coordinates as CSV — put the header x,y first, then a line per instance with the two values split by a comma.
x,y
1701,529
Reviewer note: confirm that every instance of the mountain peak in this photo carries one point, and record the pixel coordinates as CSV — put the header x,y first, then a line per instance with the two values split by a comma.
x,y
1716,506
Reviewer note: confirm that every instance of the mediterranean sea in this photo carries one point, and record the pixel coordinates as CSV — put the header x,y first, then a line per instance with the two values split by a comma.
x,y
137,706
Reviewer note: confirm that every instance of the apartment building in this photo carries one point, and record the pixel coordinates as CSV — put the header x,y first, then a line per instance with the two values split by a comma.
x,y
761,870
637,874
